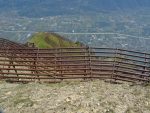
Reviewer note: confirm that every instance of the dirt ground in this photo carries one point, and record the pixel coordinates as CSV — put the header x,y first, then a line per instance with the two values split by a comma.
x,y
74,97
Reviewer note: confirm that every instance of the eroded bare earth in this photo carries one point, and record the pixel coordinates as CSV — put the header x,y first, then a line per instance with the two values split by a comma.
x,y
74,97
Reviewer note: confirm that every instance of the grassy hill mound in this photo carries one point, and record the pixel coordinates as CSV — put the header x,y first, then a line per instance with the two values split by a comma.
x,y
51,40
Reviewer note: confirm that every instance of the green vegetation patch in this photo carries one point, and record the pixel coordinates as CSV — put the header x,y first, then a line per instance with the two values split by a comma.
x,y
25,102
51,40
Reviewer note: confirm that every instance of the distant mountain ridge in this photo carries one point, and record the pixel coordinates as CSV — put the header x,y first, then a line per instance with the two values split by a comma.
x,y
40,8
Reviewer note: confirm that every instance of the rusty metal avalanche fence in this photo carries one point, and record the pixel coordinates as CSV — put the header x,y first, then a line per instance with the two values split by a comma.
x,y
19,63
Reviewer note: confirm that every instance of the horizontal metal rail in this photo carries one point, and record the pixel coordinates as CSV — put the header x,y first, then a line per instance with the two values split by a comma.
x,y
20,63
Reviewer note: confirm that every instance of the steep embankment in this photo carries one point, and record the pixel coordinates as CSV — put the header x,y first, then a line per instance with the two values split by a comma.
x,y
51,40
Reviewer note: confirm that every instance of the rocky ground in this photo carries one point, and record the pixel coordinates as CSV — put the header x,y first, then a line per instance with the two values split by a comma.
x,y
75,97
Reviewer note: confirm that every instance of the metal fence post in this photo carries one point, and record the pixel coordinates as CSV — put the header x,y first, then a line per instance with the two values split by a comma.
x,y
36,62
60,64
114,64
85,58
146,70
90,63
55,62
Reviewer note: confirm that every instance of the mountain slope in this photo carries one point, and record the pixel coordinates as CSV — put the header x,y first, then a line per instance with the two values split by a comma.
x,y
51,40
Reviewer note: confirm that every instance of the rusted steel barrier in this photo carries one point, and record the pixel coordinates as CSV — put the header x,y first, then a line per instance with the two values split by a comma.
x,y
19,63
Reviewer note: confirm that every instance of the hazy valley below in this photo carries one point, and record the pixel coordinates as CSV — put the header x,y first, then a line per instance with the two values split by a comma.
x,y
115,29
102,23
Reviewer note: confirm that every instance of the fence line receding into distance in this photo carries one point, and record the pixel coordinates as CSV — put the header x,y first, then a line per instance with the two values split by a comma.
x,y
23,64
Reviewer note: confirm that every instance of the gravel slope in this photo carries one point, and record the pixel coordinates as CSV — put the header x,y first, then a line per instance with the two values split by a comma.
x,y
74,97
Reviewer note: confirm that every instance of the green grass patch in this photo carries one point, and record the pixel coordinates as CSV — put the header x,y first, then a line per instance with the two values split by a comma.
x,y
51,40
26,102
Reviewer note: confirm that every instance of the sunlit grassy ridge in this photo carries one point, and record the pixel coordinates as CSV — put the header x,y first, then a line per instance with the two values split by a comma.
x,y
51,40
